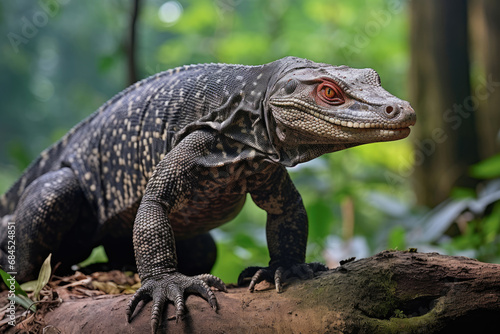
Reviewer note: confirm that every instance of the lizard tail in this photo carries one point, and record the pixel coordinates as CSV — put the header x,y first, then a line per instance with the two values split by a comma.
x,y
44,163
47,161
40,166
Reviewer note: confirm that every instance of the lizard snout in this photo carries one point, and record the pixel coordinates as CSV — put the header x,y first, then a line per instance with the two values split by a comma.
x,y
398,112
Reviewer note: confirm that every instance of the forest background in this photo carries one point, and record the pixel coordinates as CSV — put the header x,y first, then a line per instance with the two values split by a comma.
x,y
437,190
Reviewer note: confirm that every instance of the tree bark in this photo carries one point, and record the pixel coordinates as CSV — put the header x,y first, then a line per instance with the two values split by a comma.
x,y
446,143
391,292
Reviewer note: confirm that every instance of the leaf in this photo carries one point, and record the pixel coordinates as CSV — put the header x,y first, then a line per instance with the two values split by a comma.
x,y
462,193
29,286
20,297
397,238
7,279
433,225
487,169
24,302
98,255
43,277
107,287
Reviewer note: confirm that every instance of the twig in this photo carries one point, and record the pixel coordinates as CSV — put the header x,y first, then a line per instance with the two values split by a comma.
x,y
131,45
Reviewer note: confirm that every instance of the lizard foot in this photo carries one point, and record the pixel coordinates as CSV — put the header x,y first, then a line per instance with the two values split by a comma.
x,y
279,274
172,287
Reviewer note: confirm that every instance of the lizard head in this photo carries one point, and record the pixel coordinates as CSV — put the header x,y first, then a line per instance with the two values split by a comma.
x,y
335,107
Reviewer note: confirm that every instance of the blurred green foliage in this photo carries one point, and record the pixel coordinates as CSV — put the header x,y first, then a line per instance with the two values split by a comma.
x,y
75,61
487,169
479,227
481,235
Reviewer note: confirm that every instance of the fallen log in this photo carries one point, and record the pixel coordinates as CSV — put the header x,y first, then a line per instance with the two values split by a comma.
x,y
391,292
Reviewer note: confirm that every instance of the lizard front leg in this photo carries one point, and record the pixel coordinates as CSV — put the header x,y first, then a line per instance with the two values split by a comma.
x,y
153,236
286,232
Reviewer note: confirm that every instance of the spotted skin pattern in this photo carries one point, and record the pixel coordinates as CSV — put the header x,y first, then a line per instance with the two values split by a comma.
x,y
175,155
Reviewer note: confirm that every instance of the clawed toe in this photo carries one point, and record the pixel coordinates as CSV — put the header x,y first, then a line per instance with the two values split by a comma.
x,y
279,274
172,287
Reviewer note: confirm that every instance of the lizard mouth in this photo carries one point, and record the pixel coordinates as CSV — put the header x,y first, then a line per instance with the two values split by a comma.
x,y
384,128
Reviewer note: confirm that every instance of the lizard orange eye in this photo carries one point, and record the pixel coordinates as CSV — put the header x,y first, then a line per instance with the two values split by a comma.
x,y
331,93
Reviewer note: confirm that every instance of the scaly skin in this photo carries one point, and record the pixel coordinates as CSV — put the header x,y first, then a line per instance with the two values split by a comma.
x,y
174,156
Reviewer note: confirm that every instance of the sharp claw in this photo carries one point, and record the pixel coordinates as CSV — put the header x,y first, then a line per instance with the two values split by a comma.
x,y
179,315
219,285
210,296
155,315
247,273
129,313
281,274
214,281
259,276
132,304
154,325
251,286
213,305
277,279
179,306
213,301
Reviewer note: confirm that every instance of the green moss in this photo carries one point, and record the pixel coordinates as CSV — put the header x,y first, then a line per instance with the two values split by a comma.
x,y
399,314
373,294
423,324
382,295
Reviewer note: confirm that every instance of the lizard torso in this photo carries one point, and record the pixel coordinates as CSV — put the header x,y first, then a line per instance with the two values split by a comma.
x,y
115,151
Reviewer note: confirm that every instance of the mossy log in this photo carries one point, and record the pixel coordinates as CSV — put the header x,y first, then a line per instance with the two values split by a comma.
x,y
391,292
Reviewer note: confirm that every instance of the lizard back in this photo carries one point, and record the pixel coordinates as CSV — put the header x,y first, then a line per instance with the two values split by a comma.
x,y
115,150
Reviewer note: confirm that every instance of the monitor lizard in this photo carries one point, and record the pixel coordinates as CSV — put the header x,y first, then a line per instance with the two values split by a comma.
x,y
174,156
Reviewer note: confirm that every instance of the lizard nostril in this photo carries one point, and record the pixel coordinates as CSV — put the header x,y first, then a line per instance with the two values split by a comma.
x,y
391,111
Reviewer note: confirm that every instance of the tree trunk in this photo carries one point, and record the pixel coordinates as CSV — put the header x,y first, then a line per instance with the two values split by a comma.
x,y
131,42
485,32
391,292
446,143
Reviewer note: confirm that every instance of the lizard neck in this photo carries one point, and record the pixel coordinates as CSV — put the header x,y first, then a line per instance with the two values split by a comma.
x,y
240,115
